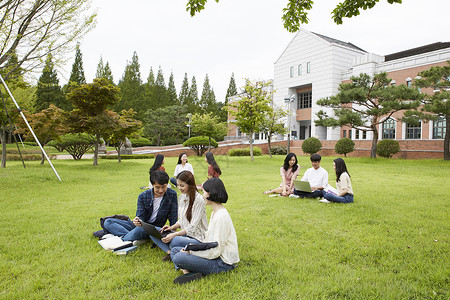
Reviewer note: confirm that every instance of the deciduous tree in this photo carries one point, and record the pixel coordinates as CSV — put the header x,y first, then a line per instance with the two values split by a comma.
x,y
126,125
272,124
208,125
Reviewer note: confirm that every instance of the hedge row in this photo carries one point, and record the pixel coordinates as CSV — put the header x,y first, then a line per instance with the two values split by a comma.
x,y
244,152
23,151
127,156
12,157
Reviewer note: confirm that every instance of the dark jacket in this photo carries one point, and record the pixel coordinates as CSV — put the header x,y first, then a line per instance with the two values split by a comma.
x,y
167,210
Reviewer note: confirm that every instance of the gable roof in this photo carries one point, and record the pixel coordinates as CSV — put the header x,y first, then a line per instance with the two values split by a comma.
x,y
417,50
339,42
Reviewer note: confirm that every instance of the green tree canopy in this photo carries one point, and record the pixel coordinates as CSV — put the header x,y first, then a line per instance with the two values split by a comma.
x,y
104,71
184,92
363,104
208,125
171,91
77,75
272,124
208,99
126,125
192,100
48,89
296,12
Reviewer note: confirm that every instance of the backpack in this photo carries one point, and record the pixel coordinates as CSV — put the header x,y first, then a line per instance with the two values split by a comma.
x,y
100,233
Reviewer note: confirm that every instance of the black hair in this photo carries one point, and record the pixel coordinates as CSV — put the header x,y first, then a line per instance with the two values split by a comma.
x,y
188,178
315,157
179,158
159,177
340,168
216,190
158,162
212,162
286,162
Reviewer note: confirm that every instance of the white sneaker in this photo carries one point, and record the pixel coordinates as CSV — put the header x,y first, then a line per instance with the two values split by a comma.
x,y
107,236
294,196
274,195
139,242
324,201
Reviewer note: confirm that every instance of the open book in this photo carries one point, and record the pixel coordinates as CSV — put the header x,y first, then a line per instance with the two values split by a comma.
x,y
114,243
330,189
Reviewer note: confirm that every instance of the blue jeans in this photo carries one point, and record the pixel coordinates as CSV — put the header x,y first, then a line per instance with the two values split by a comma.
x,y
197,264
315,194
178,241
173,181
347,198
125,229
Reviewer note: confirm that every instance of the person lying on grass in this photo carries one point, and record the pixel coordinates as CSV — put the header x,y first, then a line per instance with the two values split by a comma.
x,y
221,258
154,206
289,172
343,184
192,218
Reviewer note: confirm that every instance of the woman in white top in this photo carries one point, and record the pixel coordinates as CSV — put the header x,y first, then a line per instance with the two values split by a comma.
x,y
343,185
192,219
222,258
182,165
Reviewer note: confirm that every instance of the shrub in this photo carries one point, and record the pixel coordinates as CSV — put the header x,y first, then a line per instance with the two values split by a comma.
x,y
311,145
140,142
387,148
16,157
344,146
126,156
279,150
244,151
200,144
23,151
75,144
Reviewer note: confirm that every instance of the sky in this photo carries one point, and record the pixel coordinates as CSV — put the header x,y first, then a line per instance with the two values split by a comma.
x,y
244,37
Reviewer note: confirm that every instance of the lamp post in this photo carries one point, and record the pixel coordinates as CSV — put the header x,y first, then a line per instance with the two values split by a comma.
x,y
189,124
288,101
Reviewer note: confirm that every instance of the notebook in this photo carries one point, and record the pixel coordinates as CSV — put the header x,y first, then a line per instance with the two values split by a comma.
x,y
302,186
151,230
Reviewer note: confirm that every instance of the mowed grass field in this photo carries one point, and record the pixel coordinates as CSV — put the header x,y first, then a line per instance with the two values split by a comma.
x,y
392,243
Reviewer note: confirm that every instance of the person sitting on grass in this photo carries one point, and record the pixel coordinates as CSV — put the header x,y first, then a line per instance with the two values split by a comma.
x,y
213,167
343,185
289,172
192,218
182,165
317,178
157,166
221,258
154,206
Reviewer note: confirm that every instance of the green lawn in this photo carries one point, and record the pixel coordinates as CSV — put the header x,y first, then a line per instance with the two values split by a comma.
x,y
392,243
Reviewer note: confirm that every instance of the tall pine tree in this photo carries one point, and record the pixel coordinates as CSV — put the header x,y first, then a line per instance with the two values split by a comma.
x,y
77,75
192,99
104,71
131,89
231,91
184,92
208,99
171,91
160,98
48,90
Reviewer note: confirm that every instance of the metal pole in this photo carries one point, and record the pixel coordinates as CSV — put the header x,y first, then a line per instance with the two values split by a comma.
x,y
29,127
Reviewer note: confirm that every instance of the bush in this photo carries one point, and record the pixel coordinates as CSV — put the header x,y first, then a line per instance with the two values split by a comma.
x,y
23,151
30,143
200,144
140,142
126,156
279,150
311,145
16,157
244,151
387,148
344,146
75,144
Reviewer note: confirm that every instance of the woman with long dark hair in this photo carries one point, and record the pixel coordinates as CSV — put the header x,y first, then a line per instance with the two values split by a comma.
x,y
289,172
192,220
213,168
182,165
343,184
225,255
157,166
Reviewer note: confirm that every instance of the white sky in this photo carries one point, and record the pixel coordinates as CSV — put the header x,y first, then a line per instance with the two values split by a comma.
x,y
240,36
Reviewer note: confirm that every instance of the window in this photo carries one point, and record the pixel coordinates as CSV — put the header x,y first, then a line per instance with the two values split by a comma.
x,y
308,67
294,134
388,129
357,134
299,69
344,133
439,128
409,83
304,100
364,135
349,133
393,82
291,72
413,131
256,135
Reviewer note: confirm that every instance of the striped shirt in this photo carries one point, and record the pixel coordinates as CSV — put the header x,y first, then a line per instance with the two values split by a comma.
x,y
199,222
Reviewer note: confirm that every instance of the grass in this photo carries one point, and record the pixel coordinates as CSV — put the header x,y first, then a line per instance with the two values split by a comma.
x,y
392,243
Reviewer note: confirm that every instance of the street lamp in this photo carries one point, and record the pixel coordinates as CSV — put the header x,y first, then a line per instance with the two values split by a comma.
x,y
189,124
288,101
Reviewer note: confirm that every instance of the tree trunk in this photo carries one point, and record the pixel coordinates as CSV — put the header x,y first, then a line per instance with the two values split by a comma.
x,y
270,149
209,146
373,151
42,157
251,145
97,142
447,138
119,159
3,140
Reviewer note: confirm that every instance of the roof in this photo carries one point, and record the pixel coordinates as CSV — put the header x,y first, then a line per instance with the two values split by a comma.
x,y
335,41
418,50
